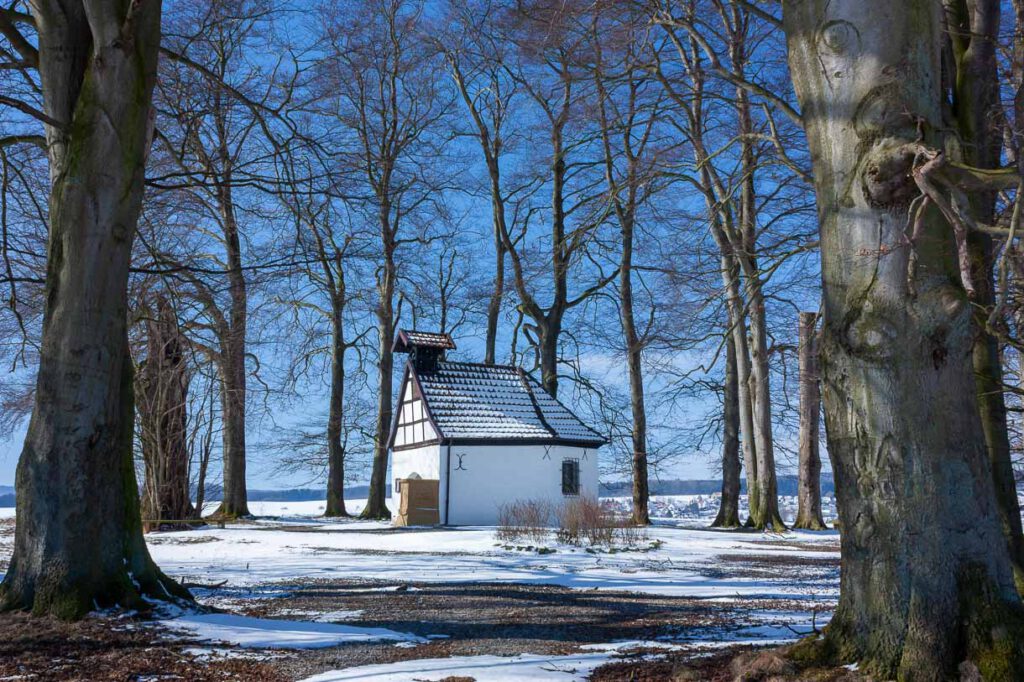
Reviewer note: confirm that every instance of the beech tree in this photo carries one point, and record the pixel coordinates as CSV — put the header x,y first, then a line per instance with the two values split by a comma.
x,y
476,59
378,83
973,83
324,248
729,506
927,585
628,106
78,540
161,401
730,192
808,513
546,68
213,105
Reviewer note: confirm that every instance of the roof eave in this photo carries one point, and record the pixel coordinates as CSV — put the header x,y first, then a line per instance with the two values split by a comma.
x,y
525,441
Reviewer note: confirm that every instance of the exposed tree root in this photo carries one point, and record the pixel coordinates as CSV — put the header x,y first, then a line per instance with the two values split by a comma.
x,y
990,648
68,599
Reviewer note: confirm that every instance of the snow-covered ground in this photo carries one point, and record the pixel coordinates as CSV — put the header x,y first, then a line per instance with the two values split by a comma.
x,y
261,633
504,668
289,545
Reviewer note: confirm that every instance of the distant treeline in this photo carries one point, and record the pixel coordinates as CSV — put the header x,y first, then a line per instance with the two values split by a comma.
x,y
357,492
787,486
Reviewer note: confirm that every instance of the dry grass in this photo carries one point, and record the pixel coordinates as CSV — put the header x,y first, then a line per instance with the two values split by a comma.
x,y
524,520
585,520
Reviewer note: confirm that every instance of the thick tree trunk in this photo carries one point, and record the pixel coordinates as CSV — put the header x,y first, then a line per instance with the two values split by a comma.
x,y
808,514
548,342
765,514
498,294
748,443
162,404
729,507
731,284
988,371
926,585
335,449
78,540
235,502
634,359
973,30
376,507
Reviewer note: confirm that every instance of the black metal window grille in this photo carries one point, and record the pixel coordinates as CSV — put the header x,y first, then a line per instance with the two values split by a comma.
x,y
570,477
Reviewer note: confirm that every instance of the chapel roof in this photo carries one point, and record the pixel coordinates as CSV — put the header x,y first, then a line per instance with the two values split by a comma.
x,y
470,402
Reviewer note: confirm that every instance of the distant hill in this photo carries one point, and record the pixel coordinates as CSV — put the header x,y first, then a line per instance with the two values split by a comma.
x,y
6,489
7,500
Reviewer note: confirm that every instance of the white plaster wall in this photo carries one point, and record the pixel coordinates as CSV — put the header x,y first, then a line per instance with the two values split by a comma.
x,y
424,461
493,475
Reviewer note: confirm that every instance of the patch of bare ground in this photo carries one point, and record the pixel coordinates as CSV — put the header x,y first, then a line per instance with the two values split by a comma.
x,y
775,560
737,664
106,649
471,619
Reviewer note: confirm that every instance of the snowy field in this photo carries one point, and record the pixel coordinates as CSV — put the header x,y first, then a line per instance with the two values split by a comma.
x,y
351,590
289,542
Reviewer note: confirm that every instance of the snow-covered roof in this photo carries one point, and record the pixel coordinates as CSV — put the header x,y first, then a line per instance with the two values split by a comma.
x,y
475,402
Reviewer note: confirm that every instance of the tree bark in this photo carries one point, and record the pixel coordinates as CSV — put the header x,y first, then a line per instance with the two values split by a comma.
x,y
235,502
926,585
78,540
335,449
738,338
498,294
634,360
376,508
721,222
765,513
729,507
973,37
162,404
550,332
808,514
